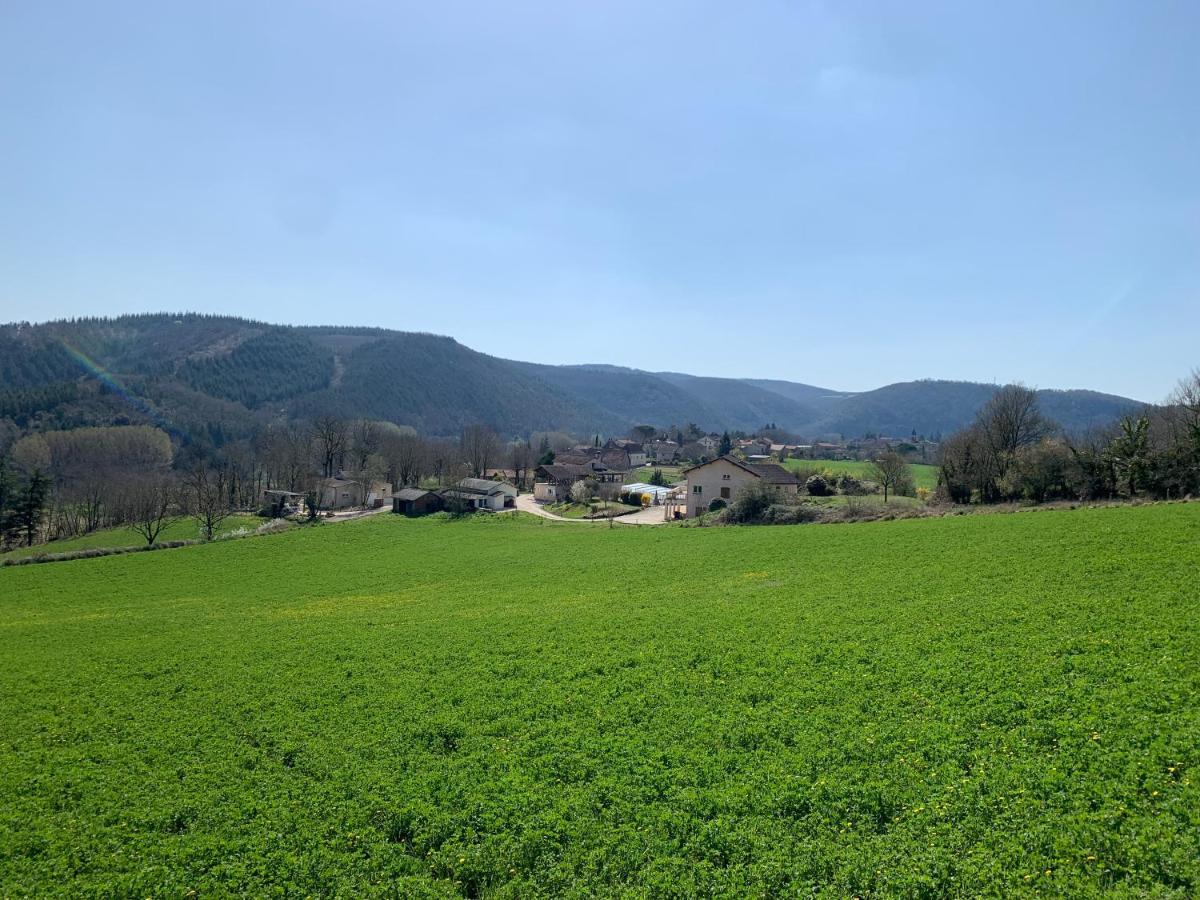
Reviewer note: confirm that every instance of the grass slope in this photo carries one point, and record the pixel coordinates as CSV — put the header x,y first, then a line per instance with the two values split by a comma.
x,y
965,706
183,530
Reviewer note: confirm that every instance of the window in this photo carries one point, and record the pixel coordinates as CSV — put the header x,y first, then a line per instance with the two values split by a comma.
x,y
725,493
725,477
698,489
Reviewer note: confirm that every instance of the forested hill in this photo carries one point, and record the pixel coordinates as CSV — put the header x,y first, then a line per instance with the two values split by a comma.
x,y
216,377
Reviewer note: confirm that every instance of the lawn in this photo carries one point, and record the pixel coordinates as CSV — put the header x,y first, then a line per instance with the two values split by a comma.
x,y
924,476
182,530
583,510
671,474
509,707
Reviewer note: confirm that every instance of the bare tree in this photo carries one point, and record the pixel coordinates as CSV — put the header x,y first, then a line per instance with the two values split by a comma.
x,y
407,458
445,460
479,448
520,457
1010,421
329,436
890,470
150,503
206,495
364,440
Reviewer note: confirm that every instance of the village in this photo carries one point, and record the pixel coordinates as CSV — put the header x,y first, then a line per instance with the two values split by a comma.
x,y
626,481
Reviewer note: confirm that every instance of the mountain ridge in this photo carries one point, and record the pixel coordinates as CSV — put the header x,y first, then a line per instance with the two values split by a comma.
x,y
225,376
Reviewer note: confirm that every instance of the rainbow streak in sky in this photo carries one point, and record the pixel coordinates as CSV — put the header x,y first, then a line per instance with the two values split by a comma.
x,y
109,380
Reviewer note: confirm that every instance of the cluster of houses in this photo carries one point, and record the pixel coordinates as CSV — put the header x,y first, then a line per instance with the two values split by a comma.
x,y
713,481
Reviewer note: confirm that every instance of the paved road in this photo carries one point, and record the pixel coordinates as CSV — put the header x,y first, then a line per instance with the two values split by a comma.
x,y
651,516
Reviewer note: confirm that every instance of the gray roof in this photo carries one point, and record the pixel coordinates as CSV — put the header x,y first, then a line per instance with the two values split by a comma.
x,y
481,486
412,494
771,473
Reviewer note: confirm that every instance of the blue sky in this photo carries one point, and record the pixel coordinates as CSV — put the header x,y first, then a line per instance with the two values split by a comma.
x,y
848,194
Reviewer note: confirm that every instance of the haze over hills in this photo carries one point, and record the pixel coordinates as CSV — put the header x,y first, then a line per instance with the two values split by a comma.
x,y
222,377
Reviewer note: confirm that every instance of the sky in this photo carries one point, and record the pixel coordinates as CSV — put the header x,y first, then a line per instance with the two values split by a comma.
x,y
841,193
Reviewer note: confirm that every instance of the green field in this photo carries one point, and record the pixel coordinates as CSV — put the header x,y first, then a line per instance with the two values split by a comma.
x,y
182,530
671,474
924,476
960,706
583,510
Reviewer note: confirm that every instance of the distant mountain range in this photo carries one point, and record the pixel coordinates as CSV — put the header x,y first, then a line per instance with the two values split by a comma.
x,y
218,378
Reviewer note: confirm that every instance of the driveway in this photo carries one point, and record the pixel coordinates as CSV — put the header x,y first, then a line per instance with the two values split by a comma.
x,y
650,516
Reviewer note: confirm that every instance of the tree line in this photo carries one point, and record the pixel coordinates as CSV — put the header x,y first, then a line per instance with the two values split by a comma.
x,y
1012,452
66,483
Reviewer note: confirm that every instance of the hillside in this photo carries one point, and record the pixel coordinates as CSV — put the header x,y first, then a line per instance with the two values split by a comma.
x,y
942,407
990,705
217,378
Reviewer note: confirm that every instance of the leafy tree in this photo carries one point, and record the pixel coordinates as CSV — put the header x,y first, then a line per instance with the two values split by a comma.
x,y
1130,451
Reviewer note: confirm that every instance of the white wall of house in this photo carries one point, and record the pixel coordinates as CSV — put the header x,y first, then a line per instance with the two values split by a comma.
x,y
718,480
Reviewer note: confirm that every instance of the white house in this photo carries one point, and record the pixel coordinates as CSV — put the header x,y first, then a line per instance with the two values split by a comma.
x,y
479,493
721,479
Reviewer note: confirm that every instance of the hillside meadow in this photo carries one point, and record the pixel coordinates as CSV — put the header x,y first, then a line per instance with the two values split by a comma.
x,y
179,530
505,707
924,476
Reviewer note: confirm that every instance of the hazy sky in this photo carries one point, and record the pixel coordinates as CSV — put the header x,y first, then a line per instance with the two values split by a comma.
x,y
847,194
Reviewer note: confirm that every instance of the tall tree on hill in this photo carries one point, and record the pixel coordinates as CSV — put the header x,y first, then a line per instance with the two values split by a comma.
x,y
479,448
726,445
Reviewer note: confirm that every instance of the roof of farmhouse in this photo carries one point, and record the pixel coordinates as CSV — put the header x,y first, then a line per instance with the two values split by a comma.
x,y
769,472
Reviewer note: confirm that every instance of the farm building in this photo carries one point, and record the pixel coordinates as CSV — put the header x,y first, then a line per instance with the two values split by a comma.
x,y
721,478
342,493
416,502
478,493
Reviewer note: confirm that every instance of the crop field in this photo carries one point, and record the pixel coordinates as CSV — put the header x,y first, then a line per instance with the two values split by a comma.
x,y
509,707
924,476
182,530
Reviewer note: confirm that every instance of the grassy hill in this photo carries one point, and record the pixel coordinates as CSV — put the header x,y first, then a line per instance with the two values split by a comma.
x,y
980,705
181,530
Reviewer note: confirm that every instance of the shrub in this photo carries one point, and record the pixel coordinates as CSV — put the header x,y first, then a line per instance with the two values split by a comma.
x,y
817,486
751,502
716,505
851,486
